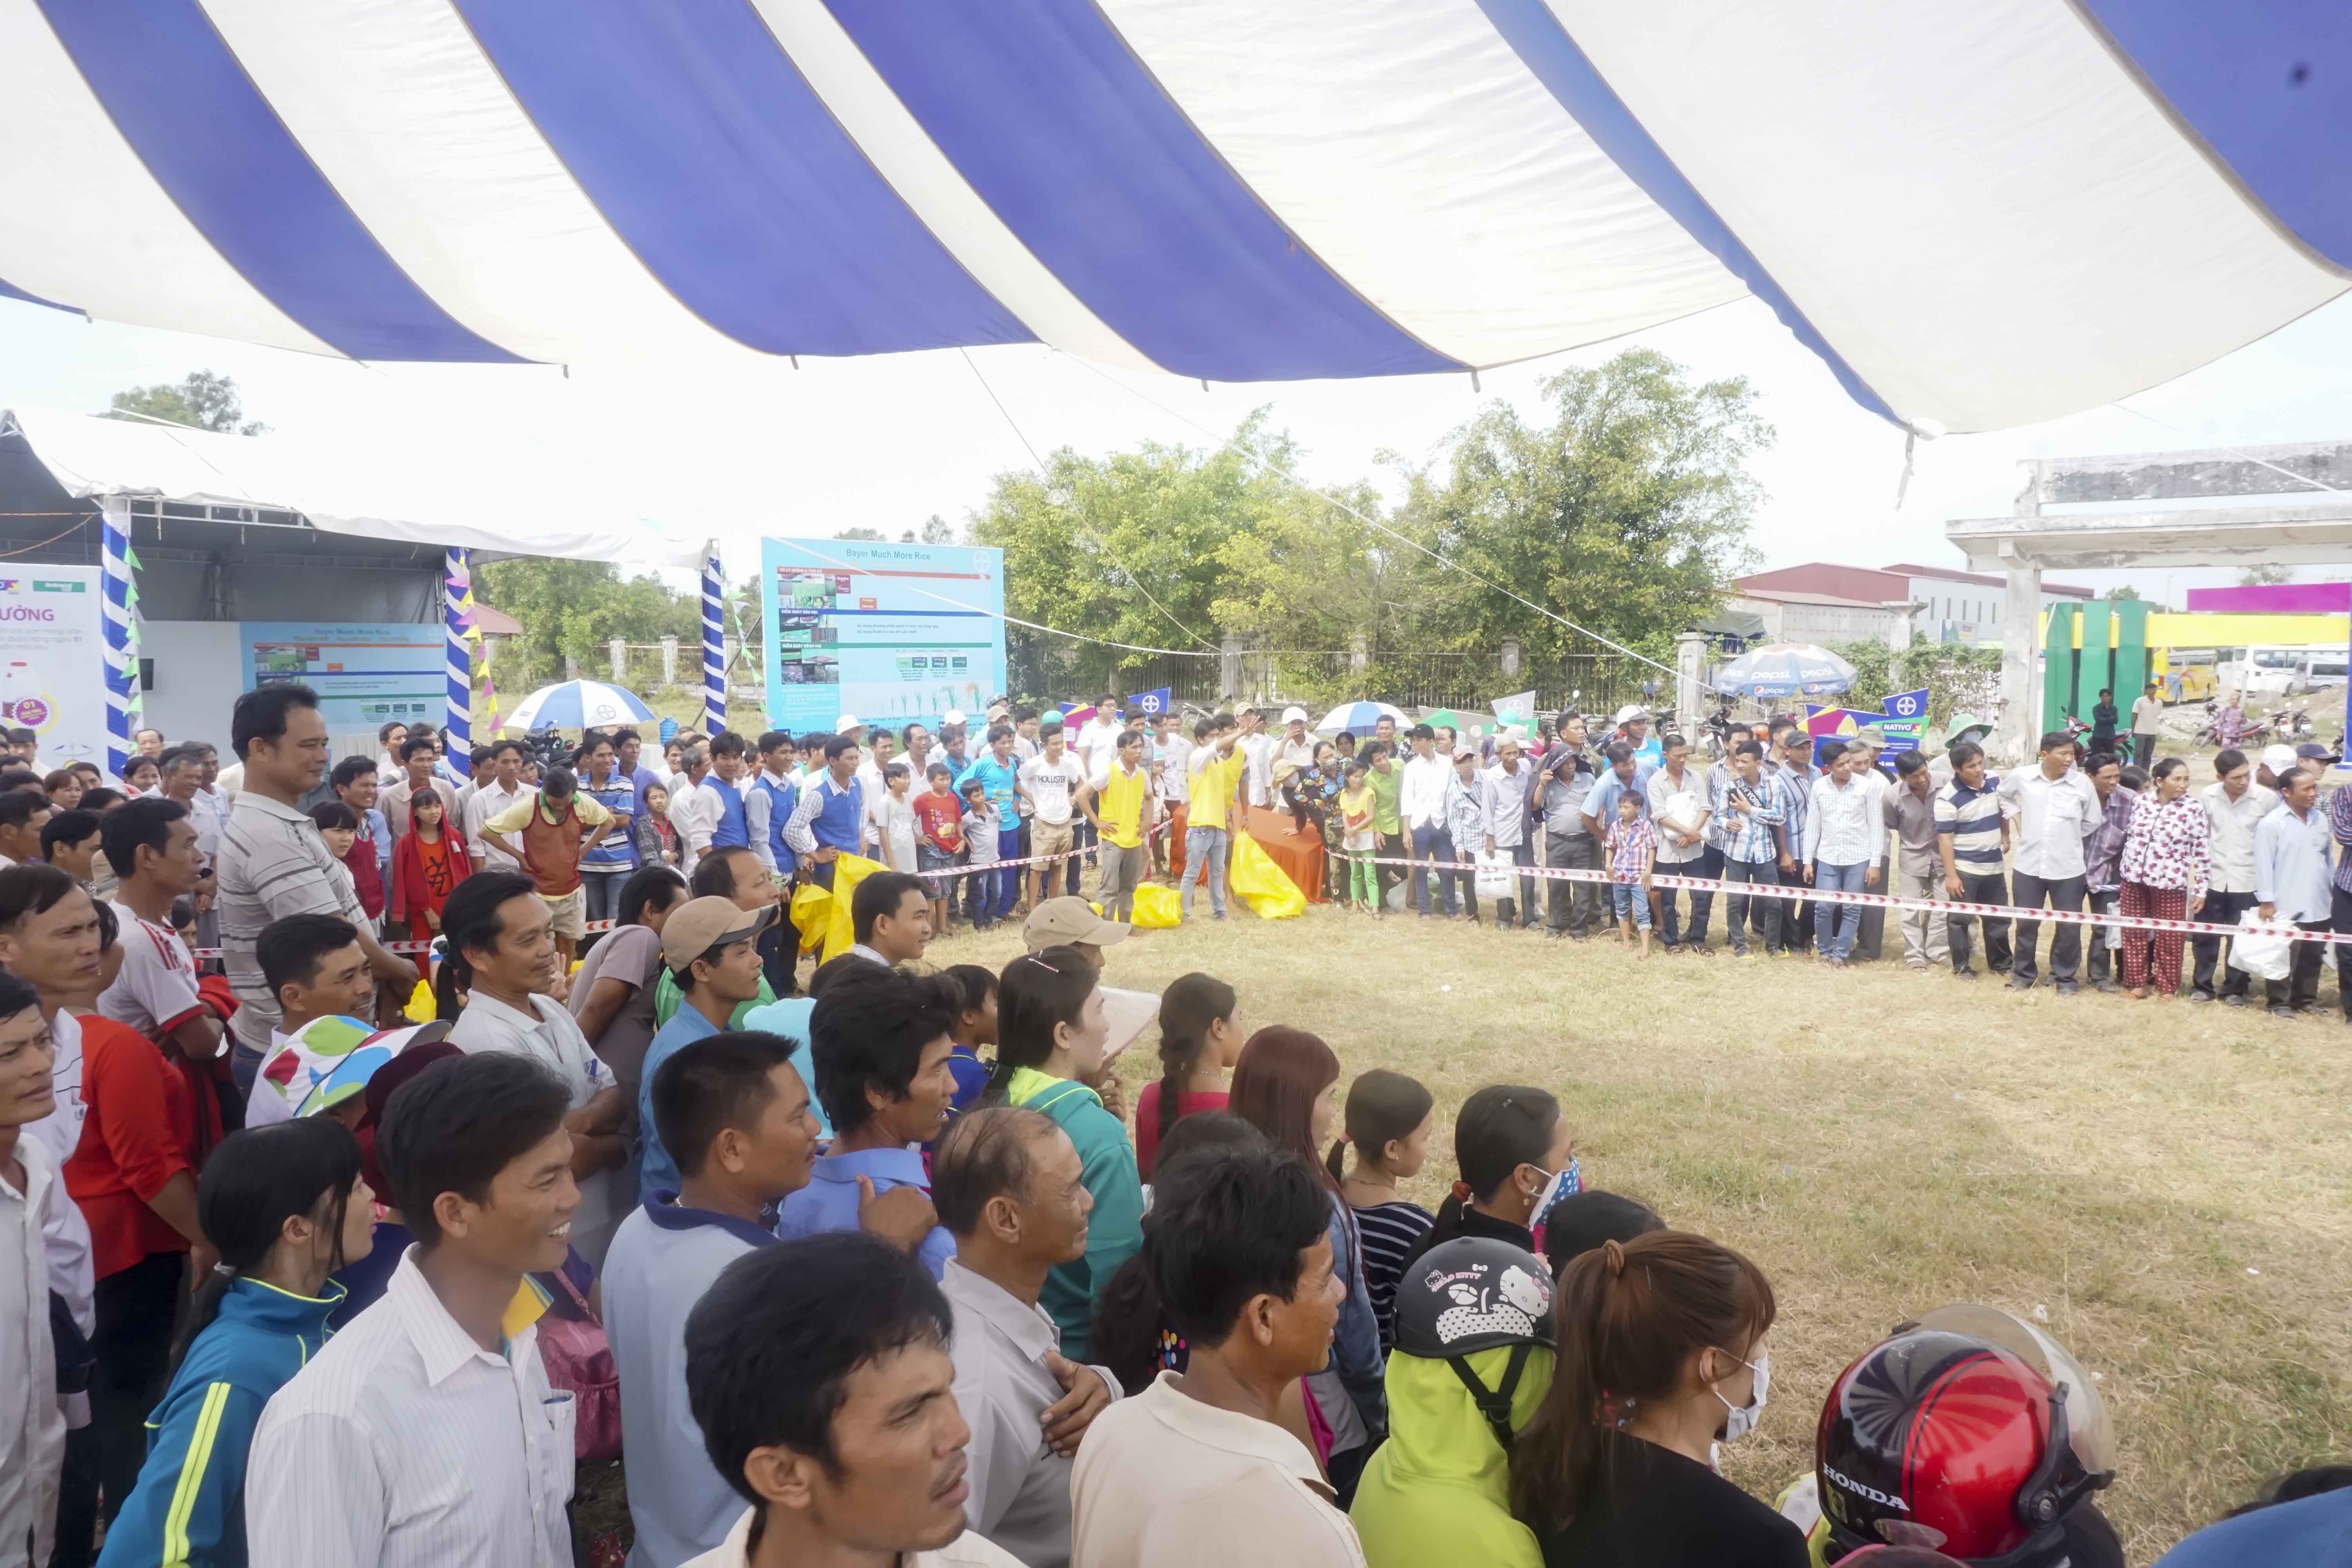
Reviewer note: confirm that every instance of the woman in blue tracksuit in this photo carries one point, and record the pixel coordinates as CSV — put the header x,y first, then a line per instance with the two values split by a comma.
x,y
1287,1085
286,1207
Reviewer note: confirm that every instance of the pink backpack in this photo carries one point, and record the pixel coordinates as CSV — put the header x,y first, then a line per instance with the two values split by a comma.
x,y
578,1358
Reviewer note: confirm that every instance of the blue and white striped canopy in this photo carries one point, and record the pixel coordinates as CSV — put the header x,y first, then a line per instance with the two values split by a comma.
x,y
1978,214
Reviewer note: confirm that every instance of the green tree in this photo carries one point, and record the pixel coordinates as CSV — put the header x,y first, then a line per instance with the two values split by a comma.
x,y
203,398
1624,512
2266,575
936,531
2126,592
862,533
578,607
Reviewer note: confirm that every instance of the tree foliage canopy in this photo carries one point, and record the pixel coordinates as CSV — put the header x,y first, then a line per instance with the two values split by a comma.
x,y
202,398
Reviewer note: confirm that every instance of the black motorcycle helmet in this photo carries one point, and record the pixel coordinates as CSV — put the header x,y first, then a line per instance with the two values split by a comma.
x,y
1475,1294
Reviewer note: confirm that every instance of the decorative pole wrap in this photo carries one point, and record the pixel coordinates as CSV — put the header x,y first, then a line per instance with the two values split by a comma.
x,y
456,616
121,673
714,642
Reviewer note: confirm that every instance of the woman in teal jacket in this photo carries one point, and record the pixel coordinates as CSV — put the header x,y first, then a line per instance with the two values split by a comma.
x,y
1050,1035
286,1207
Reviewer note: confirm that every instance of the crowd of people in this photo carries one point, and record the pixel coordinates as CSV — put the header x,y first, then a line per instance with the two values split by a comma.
x,y
871,1268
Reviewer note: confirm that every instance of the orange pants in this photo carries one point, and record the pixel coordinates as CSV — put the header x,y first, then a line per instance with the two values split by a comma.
x,y
1176,813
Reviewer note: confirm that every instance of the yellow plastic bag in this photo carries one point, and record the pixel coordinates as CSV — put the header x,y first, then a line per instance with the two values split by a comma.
x,y
1261,884
1158,908
810,913
421,1008
823,918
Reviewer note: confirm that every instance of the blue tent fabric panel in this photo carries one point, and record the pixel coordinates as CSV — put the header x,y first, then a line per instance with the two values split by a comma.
x,y
1049,116
708,151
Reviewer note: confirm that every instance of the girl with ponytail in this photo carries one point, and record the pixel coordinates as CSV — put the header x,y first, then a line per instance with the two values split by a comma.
x,y
1660,1355
1199,1041
1389,1120
1050,1040
1509,1142
285,1207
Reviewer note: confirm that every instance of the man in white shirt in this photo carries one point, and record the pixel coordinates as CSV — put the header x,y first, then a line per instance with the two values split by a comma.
x,y
1171,755
151,845
416,778
1506,789
694,811
2148,723
1048,784
1294,752
2234,805
1100,731
818,1372
498,926
1678,809
32,1196
1257,746
1009,1187
1420,805
1869,744
390,737
502,790
1198,1468
2054,809
1845,848
2292,883
425,1435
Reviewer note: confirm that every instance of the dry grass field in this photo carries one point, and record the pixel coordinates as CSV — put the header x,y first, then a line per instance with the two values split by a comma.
x,y
2168,1186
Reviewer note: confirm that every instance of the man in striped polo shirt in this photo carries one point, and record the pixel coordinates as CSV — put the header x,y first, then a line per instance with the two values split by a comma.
x,y
1973,837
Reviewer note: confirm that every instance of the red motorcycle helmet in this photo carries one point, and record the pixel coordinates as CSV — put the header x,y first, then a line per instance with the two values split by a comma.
x,y
1951,1440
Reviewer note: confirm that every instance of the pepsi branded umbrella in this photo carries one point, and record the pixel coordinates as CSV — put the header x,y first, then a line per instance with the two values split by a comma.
x,y
576,705
1786,669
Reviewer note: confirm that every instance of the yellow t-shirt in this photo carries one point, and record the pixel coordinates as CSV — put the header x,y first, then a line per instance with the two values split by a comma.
x,y
516,817
1214,780
1122,797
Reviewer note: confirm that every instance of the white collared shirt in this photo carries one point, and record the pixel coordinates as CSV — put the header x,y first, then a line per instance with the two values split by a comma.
x,y
1420,795
1842,824
1020,1489
966,1550
552,1038
2053,817
490,800
1163,1481
32,1422
405,1444
2229,834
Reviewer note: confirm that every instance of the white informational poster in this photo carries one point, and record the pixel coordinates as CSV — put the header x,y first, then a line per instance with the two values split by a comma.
x,y
53,661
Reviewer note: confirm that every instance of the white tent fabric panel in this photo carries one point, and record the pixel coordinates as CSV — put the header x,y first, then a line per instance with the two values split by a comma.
x,y
452,495
84,224
1976,204
1978,216
1437,176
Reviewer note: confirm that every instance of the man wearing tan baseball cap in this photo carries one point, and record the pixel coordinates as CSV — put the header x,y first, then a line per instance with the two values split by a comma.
x,y
1071,923
711,947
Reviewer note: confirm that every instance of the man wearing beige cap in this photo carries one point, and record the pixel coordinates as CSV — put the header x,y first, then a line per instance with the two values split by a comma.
x,y
1071,923
711,947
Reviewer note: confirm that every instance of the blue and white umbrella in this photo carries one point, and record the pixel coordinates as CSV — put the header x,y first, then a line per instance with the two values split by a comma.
x,y
1359,717
576,705
1786,669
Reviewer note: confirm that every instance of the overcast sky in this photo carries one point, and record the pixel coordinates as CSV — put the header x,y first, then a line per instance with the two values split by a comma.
x,y
737,451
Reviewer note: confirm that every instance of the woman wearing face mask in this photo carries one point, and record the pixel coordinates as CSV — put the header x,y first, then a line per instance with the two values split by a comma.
x,y
1050,1033
1511,1145
1660,1354
285,1207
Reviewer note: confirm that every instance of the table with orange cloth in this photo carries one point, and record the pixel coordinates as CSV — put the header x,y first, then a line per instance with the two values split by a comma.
x,y
1297,850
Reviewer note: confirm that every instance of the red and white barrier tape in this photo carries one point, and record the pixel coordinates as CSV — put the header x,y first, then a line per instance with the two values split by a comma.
x,y
1799,892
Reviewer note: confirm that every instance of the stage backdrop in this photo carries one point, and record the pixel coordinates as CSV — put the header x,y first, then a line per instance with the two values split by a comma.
x,y
893,634
53,661
366,674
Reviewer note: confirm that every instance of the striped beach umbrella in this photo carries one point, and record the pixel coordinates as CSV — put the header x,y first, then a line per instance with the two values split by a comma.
x,y
576,705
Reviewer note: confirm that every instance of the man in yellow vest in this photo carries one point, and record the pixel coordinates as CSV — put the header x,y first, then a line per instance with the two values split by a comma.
x,y
1122,791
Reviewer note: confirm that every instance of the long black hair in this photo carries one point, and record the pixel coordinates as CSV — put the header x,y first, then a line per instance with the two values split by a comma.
x,y
1188,1008
1037,993
256,1181
1383,1108
1499,1129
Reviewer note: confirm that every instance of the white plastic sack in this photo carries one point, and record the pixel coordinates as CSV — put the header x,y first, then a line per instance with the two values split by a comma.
x,y
2259,955
1494,876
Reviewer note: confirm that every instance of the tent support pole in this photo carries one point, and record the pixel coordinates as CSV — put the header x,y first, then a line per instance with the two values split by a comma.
x,y
714,641
114,512
456,582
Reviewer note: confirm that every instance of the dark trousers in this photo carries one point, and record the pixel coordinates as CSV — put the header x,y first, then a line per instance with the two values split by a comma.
x,y
76,1545
2066,941
1991,889
1523,853
1084,836
2102,961
2221,910
1392,847
1770,913
1702,902
137,1308
2143,748
1796,917
2343,922
1573,904
2301,986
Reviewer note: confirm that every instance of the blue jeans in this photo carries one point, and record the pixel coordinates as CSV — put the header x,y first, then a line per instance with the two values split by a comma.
x,y
1431,842
1835,924
1204,856
1008,889
604,890
1631,903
